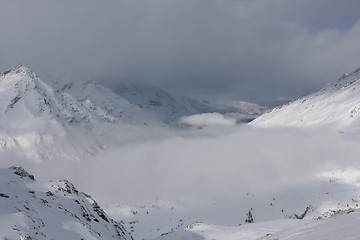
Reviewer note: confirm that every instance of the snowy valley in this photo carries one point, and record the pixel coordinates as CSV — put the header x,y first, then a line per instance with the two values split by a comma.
x,y
169,167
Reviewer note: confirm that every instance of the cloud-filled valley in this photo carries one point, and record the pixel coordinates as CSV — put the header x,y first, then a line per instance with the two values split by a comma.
x,y
208,166
191,119
213,175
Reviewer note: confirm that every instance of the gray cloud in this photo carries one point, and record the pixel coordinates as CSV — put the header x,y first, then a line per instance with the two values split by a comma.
x,y
253,50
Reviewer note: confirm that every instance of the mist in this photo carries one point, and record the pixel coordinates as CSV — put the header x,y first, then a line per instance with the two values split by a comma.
x,y
206,165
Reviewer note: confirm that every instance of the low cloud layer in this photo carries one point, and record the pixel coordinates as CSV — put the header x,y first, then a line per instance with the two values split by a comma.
x,y
257,50
207,165
205,119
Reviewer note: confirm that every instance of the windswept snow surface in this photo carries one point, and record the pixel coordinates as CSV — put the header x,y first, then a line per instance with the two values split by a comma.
x,y
50,210
203,231
336,104
343,226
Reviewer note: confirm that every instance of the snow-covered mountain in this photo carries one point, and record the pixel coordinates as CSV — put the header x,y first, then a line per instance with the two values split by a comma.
x,y
105,102
77,102
136,103
50,210
96,96
338,103
43,123
154,101
74,119
170,108
24,95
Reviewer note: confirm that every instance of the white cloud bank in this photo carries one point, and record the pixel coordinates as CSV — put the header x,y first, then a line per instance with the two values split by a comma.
x,y
205,164
212,167
206,119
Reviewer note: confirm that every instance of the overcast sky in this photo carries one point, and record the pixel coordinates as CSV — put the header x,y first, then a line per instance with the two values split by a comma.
x,y
255,50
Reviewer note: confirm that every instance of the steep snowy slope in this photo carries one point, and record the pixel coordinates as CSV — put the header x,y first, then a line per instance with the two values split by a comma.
x,y
337,103
53,210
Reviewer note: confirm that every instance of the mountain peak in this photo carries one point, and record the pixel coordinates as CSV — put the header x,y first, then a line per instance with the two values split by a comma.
x,y
20,171
20,70
355,71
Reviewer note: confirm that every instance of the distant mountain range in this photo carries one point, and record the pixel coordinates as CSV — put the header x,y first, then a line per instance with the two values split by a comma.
x,y
76,119
137,103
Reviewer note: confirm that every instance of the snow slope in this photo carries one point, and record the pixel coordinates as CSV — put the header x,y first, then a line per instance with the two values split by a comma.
x,y
337,104
327,194
52,210
342,226
326,209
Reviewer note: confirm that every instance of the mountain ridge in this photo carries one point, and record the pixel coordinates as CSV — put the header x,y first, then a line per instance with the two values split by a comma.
x,y
76,119
55,210
22,86
338,103
41,122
